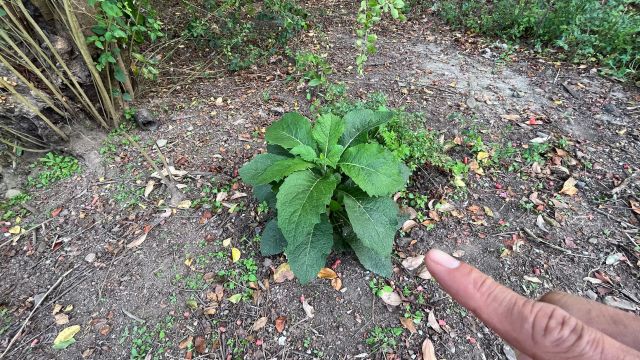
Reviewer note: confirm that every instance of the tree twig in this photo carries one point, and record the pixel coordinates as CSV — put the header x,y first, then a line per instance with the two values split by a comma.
x,y
568,252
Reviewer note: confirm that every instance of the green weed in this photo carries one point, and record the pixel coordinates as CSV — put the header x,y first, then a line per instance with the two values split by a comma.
x,y
54,168
383,339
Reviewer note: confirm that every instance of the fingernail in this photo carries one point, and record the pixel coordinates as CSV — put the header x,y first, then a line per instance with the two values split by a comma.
x,y
443,259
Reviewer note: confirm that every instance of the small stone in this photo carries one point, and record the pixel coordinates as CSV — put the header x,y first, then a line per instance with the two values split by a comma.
x,y
581,185
471,102
11,193
282,340
161,142
91,257
277,110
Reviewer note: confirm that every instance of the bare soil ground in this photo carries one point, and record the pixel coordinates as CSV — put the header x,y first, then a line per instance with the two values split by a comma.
x,y
169,297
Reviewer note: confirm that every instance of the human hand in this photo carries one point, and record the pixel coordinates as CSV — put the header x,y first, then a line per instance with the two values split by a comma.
x,y
559,326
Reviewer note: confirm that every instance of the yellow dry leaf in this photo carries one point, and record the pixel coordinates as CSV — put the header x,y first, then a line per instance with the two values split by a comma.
x,y
569,187
68,308
473,165
282,273
15,230
66,334
226,242
482,155
488,211
188,261
408,324
326,273
56,308
557,102
510,117
235,254
184,204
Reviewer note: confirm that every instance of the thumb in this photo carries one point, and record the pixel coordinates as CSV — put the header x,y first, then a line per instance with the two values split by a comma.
x,y
538,330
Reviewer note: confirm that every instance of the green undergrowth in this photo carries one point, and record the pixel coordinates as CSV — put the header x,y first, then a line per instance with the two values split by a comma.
x,y
52,168
603,32
245,33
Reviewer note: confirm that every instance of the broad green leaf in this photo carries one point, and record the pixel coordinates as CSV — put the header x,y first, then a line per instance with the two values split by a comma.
x,y
290,131
335,152
265,168
306,152
272,241
302,197
2,12
370,259
373,219
308,254
278,150
373,168
119,74
327,132
358,123
265,193
111,9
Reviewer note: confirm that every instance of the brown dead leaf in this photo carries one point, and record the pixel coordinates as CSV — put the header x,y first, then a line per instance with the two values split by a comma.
x,y
424,274
308,309
61,318
200,344
219,291
137,241
635,206
474,209
210,310
185,342
56,308
433,323
569,187
475,167
281,321
434,215
327,273
105,330
408,225
260,323
55,212
336,283
428,351
408,324
282,273
510,117
149,188
412,263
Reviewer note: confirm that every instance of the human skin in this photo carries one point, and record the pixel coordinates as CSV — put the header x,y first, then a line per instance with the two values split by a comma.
x,y
559,326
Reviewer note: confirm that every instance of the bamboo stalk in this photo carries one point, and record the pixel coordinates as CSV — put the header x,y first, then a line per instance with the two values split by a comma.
x,y
82,46
80,42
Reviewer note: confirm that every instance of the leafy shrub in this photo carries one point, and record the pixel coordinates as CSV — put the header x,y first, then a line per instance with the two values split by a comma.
x,y
606,31
246,31
330,185
56,167
121,24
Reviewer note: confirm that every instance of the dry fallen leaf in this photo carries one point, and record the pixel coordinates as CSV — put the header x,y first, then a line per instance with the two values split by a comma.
x,y
511,117
149,188
200,344
458,253
482,155
391,298
282,273
235,254
408,324
336,283
408,225
185,342
61,319
260,323
308,309
226,242
433,323
569,187
65,337
532,279
137,241
475,167
428,351
56,308
184,204
488,211
424,274
635,206
280,323
327,273
412,263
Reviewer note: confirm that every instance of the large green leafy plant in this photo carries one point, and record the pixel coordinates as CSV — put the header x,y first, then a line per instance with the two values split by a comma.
x,y
331,186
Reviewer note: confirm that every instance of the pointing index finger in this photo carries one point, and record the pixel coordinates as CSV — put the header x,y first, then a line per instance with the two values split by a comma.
x,y
537,329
